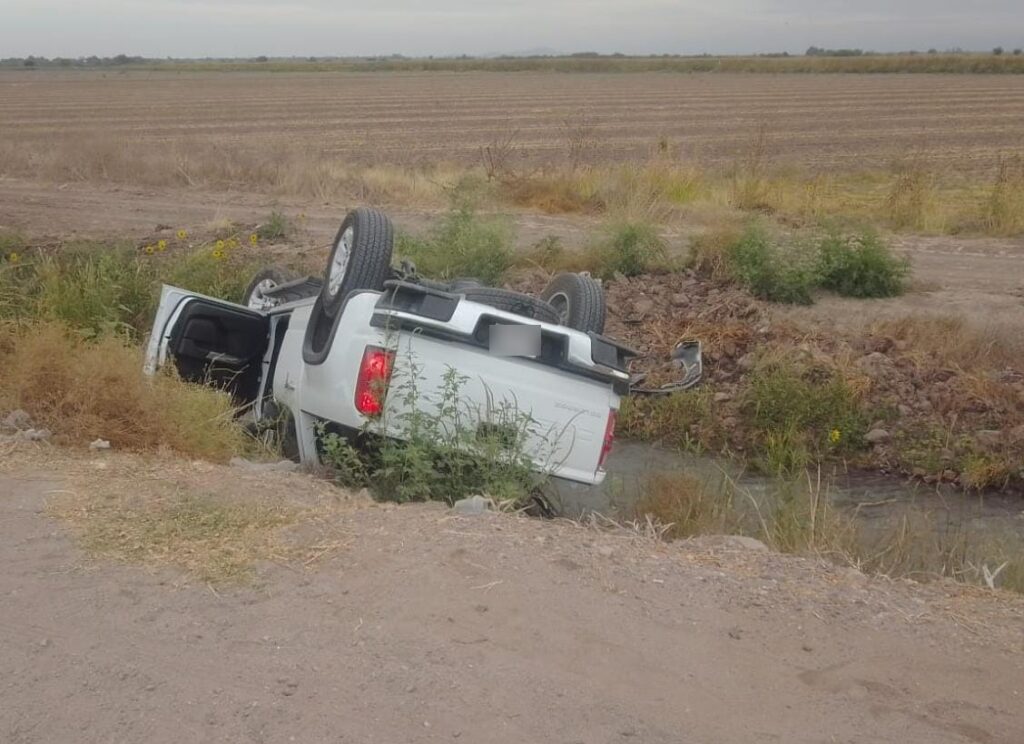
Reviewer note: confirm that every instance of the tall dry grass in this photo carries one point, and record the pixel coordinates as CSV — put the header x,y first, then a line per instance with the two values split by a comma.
x,y
914,196
84,390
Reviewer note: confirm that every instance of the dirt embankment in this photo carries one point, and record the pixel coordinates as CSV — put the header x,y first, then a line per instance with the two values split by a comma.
x,y
412,625
941,397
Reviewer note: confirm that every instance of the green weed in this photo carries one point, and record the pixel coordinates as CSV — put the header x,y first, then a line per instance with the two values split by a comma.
x,y
629,248
860,266
445,452
276,227
464,244
99,288
686,420
799,413
770,271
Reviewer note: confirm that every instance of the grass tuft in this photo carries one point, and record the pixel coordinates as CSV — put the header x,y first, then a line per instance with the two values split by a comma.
x,y
686,507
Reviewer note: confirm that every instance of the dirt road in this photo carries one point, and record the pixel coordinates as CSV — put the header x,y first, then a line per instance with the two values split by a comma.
x,y
422,627
982,278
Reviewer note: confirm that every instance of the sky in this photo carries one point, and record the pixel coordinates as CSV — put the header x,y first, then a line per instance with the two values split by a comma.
x,y
245,28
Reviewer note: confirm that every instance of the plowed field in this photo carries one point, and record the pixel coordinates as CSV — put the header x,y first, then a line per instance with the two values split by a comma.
x,y
846,122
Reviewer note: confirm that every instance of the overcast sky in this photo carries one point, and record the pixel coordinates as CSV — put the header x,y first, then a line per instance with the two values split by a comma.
x,y
197,28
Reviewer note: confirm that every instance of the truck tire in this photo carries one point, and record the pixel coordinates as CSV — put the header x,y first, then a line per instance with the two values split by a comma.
x,y
579,301
512,302
360,258
265,279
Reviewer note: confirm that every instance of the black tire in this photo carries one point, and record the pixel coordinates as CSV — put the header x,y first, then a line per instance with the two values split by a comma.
x,y
512,302
368,266
270,276
579,301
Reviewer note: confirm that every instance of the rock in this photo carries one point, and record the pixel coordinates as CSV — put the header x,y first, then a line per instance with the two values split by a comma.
x,y
606,551
722,397
36,435
989,438
877,436
99,444
680,300
643,306
282,466
905,410
746,362
728,542
15,421
474,506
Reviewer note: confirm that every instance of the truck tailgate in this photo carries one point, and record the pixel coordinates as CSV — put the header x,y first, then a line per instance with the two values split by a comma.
x,y
569,412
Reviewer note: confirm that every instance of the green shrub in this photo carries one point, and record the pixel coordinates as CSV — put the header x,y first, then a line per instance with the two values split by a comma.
x,y
800,412
860,266
463,244
629,248
759,263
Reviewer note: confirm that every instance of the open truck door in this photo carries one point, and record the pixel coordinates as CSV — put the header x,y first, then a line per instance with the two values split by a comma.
x,y
209,341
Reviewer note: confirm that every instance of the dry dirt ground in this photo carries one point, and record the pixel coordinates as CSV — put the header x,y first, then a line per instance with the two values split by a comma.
x,y
424,627
960,122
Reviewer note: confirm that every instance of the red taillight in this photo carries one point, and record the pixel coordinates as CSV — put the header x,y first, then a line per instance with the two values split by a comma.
x,y
372,383
609,439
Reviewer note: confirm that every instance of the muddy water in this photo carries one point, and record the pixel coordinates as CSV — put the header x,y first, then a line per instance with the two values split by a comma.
x,y
877,501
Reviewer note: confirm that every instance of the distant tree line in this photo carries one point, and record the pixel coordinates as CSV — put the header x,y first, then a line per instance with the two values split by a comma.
x,y
32,61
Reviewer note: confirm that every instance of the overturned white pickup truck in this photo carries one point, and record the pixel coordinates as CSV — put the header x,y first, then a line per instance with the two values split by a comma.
x,y
316,355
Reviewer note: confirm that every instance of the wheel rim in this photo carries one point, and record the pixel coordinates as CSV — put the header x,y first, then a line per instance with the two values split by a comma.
x,y
339,261
258,299
560,301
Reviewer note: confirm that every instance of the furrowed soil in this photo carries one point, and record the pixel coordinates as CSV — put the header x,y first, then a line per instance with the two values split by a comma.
x,y
852,122
412,625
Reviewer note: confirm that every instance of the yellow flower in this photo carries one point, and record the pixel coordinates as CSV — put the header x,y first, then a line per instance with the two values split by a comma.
x,y
254,239
218,254
149,250
161,245
14,258
220,245
834,436
182,234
